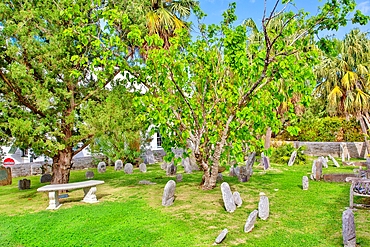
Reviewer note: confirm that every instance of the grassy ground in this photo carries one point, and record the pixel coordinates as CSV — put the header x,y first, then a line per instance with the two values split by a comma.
x,y
130,214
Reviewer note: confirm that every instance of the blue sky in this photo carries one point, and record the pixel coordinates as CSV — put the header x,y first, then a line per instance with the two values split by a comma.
x,y
254,9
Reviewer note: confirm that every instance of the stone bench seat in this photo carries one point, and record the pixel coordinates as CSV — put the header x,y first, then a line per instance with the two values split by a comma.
x,y
89,188
359,187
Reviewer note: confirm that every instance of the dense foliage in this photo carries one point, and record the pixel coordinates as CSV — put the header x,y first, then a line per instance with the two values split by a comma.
x,y
281,154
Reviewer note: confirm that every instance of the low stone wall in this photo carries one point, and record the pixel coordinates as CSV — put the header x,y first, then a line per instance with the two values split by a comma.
x,y
356,149
27,169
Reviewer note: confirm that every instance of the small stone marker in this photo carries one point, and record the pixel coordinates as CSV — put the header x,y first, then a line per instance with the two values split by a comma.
x,y
305,183
129,168
348,228
344,152
45,178
5,176
316,170
237,199
227,197
89,174
142,167
24,184
164,165
292,158
266,162
118,165
171,170
149,157
186,164
323,161
221,236
179,177
219,178
232,171
169,193
237,171
263,207
102,167
334,160
243,174
249,224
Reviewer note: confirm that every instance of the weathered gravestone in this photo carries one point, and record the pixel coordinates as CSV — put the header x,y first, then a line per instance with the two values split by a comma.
x,y
263,207
129,168
232,172
249,165
292,158
24,184
102,167
89,174
305,183
316,170
237,199
348,228
186,164
142,167
118,165
164,165
219,178
5,176
36,169
169,193
323,161
148,157
249,224
344,153
237,171
227,197
179,177
221,236
171,170
243,174
334,160
266,162
45,178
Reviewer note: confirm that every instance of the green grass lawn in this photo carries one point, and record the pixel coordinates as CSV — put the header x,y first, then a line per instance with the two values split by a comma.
x,y
130,214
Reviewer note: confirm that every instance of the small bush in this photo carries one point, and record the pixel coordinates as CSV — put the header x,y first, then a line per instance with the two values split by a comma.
x,y
281,154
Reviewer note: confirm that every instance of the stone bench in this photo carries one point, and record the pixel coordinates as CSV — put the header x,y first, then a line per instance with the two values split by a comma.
x,y
89,188
359,187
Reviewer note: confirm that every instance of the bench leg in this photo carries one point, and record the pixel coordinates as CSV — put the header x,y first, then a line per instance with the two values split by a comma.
x,y
90,196
53,200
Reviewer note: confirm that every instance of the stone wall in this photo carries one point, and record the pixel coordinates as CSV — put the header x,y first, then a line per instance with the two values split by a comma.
x,y
27,169
356,149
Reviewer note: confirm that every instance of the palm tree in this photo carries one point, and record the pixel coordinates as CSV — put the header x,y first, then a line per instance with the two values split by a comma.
x,y
344,80
166,16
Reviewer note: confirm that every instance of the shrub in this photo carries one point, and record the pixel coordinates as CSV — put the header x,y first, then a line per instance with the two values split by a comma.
x,y
281,154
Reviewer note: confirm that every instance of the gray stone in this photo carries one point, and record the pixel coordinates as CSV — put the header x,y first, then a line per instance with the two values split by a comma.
x,y
316,170
263,207
292,158
323,161
169,193
266,162
89,174
148,157
102,167
36,169
142,167
221,236
219,178
164,165
118,165
243,174
145,182
178,152
5,176
348,228
237,171
344,153
334,160
237,199
251,159
129,168
24,184
249,224
305,183
232,171
186,164
171,170
45,178
227,197
179,177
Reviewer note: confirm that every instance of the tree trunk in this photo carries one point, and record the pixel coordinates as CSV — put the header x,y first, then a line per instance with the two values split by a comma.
x,y
364,132
62,166
268,138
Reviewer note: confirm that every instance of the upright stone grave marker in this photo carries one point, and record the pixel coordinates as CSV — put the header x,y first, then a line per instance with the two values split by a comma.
x,y
243,174
142,167
305,183
266,162
232,171
237,199
164,165
169,193
227,197
344,152
129,168
186,164
179,177
316,170
171,170
249,224
118,165
149,157
5,176
324,162
292,158
45,178
263,207
348,228
249,165
24,184
334,160
89,174
102,167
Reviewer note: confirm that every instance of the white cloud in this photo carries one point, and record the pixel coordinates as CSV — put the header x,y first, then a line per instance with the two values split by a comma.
x,y
364,7
252,1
